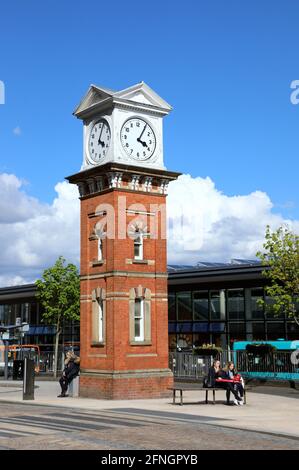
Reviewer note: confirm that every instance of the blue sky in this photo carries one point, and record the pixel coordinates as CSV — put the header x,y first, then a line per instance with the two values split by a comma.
x,y
226,68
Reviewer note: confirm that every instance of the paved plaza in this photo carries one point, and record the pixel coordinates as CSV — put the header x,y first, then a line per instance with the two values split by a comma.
x,y
268,421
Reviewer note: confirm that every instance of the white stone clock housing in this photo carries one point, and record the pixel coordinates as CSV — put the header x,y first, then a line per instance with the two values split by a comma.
x,y
122,126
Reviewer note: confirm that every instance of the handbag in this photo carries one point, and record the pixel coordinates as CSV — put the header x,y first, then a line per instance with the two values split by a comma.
x,y
206,382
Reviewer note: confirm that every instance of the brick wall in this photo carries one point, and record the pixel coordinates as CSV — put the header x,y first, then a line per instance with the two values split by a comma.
x,y
119,389
117,354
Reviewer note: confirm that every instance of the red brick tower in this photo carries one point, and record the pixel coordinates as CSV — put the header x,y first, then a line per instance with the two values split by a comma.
x,y
123,185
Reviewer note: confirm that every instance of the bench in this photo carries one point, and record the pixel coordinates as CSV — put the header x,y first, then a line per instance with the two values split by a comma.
x,y
183,388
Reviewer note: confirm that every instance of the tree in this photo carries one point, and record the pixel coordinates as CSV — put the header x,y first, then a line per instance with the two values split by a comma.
x,y
59,293
281,256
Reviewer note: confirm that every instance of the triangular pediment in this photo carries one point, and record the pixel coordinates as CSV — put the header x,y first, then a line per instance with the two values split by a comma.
x,y
143,94
139,94
94,96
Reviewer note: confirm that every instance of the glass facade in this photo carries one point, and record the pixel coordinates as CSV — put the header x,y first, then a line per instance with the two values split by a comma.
x,y
200,312
257,310
292,330
217,304
235,304
39,333
184,306
201,305
258,331
221,316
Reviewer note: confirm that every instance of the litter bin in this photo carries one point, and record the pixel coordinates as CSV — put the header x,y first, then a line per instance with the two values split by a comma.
x,y
18,370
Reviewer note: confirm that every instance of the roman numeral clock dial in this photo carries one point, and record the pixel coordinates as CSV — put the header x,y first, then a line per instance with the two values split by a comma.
x,y
99,141
138,139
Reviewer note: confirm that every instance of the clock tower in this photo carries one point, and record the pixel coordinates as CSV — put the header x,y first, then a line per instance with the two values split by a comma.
x,y
123,185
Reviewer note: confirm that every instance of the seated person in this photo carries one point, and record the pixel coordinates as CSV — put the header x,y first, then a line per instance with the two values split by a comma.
x,y
237,386
213,374
71,370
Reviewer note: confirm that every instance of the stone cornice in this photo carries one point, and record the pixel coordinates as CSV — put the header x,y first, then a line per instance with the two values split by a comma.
x,y
118,176
102,170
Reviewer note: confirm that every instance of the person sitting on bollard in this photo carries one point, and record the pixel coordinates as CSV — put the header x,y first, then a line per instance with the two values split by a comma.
x,y
70,371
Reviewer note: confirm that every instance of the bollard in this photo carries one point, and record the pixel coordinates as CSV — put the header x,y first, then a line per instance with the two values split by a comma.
x,y
74,387
28,380
6,360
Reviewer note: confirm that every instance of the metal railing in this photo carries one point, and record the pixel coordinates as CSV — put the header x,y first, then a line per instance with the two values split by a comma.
x,y
277,365
274,362
189,366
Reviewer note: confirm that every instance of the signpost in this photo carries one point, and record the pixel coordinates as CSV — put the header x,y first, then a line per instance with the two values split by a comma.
x,y
9,333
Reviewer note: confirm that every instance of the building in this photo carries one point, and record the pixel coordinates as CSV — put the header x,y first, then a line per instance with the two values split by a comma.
x,y
217,303
20,302
207,303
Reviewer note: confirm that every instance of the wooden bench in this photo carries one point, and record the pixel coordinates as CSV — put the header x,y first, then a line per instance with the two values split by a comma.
x,y
183,388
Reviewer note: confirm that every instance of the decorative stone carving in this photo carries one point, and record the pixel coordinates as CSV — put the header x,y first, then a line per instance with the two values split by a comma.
x,y
82,188
99,182
164,186
134,183
137,229
91,185
147,184
114,179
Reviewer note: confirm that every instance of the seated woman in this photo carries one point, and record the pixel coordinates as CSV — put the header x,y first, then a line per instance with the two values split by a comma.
x,y
71,370
213,374
237,386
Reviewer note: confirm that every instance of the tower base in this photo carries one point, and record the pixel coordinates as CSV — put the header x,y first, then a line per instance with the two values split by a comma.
x,y
126,385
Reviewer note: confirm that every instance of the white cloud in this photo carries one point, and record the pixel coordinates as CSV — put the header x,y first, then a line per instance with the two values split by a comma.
x,y
17,131
15,204
13,280
215,227
32,234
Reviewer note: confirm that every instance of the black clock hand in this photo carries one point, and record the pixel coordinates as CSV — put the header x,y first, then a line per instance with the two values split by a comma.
x,y
100,141
139,138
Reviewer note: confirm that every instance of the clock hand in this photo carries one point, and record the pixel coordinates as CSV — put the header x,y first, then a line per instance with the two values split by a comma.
x,y
142,143
100,141
138,140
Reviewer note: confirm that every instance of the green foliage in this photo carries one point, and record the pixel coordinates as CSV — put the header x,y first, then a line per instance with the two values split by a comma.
x,y
261,349
281,256
59,293
207,350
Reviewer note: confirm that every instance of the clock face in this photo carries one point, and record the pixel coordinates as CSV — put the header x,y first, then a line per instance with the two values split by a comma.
x,y
138,139
99,140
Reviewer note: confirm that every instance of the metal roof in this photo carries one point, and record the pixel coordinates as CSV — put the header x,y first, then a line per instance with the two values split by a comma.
x,y
206,265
